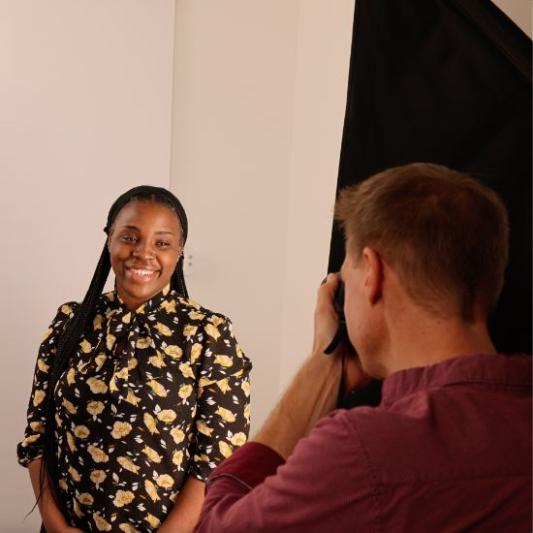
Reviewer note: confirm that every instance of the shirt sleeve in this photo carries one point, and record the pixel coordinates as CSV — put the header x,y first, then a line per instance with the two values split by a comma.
x,y
31,447
325,485
222,419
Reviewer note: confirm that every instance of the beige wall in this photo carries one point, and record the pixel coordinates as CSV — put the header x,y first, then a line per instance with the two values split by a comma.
x,y
85,106
259,97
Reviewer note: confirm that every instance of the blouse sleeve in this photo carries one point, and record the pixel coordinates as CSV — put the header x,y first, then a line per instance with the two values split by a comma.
x,y
222,418
31,447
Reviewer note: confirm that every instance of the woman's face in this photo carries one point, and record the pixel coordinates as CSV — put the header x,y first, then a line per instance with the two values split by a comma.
x,y
145,245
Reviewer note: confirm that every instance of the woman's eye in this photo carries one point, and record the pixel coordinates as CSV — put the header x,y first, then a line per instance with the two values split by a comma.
x,y
162,244
128,238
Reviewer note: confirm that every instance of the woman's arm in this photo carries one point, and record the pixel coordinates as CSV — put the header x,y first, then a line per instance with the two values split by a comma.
x,y
186,510
53,519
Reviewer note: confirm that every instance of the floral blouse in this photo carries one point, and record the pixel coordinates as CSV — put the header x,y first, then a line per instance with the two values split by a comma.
x,y
150,398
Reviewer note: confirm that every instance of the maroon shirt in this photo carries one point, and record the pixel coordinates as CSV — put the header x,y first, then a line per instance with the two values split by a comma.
x,y
448,449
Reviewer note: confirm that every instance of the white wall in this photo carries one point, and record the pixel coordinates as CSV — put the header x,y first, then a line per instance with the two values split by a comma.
x,y
259,98
85,113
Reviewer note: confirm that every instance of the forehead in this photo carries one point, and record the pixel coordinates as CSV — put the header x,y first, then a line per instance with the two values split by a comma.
x,y
148,215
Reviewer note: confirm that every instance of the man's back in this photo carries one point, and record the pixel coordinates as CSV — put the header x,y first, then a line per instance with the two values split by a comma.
x,y
449,449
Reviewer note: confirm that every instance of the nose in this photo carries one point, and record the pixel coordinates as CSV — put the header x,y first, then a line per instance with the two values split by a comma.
x,y
143,250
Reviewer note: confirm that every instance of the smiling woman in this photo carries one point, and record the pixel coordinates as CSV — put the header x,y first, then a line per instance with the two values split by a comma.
x,y
150,390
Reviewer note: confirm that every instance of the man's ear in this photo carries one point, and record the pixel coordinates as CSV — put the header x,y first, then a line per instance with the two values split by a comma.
x,y
373,271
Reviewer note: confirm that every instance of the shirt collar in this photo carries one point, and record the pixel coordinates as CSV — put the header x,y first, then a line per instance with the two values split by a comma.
x,y
117,307
480,368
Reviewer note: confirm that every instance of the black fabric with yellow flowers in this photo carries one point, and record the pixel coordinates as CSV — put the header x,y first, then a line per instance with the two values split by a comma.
x,y
150,398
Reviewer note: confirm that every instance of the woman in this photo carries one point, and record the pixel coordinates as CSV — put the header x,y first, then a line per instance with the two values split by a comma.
x,y
150,390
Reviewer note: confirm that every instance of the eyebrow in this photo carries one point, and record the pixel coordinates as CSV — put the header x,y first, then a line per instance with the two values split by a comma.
x,y
160,232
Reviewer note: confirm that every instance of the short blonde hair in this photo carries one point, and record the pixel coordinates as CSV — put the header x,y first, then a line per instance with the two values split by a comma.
x,y
444,232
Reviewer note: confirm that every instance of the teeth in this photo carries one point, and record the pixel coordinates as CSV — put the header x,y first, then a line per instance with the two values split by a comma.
x,y
144,273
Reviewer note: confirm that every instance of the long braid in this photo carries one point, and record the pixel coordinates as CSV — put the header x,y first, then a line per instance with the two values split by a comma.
x,y
85,312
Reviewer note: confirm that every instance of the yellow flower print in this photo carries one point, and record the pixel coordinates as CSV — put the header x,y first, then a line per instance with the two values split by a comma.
x,y
223,360
123,497
47,334
132,363
29,440
121,374
63,484
97,386
66,309
69,406
77,509
38,397
37,426
97,477
196,315
177,458
74,474
165,481
97,322
212,331
225,449
128,528
245,386
186,370
150,423
157,388
157,360
85,498
151,490
59,422
126,319
71,442
144,342
71,376
101,523
196,352
225,414
238,439
121,429
94,407
223,385
43,367
127,464
239,351
173,351
131,398
110,341
247,409
163,330
189,330
177,434
185,391
169,306
100,360
167,416
82,432
98,455
85,346
216,320
151,454
152,520
203,428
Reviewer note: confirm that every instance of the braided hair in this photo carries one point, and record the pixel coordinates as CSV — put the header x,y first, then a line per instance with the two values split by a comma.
x,y
86,311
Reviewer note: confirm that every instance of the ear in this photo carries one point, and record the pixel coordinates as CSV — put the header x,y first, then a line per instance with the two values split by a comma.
x,y
373,274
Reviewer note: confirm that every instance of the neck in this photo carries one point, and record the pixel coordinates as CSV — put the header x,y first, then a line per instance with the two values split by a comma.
x,y
427,340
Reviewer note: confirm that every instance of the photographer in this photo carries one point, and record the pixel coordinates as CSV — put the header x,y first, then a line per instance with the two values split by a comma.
x,y
449,447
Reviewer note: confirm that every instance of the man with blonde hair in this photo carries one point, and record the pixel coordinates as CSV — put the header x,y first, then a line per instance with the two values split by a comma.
x,y
449,447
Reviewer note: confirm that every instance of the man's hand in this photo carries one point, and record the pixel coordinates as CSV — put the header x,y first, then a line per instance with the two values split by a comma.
x,y
326,325
326,319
